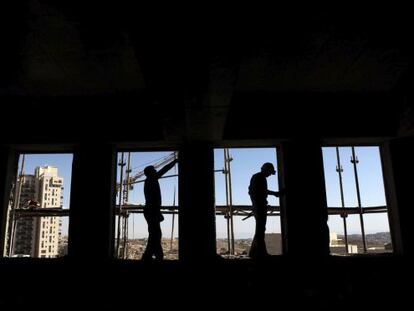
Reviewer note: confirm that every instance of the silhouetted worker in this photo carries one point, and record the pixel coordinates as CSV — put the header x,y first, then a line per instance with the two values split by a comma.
x,y
258,194
152,210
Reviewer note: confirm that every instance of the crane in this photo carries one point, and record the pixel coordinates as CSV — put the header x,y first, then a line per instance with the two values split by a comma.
x,y
129,181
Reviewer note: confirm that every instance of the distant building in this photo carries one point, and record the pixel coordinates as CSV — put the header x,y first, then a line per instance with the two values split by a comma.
x,y
39,236
7,230
337,246
24,227
333,238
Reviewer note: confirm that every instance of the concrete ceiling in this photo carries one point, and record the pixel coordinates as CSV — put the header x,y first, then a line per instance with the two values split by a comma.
x,y
195,76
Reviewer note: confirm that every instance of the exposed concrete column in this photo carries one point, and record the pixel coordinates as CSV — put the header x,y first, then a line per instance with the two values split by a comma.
x,y
400,197
8,169
305,200
197,233
91,223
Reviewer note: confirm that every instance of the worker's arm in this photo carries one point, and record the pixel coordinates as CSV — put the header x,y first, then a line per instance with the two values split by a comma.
x,y
166,168
276,193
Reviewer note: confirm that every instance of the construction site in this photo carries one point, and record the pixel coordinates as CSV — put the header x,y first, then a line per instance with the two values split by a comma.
x,y
227,211
99,85
129,240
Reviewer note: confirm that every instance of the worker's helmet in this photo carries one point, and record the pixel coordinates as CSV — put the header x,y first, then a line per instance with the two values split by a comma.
x,y
268,167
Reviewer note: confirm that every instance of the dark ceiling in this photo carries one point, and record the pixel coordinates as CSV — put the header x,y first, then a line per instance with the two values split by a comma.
x,y
222,74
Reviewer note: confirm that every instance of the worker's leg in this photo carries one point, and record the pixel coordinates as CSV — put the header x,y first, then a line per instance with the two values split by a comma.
x,y
149,250
260,231
258,247
157,246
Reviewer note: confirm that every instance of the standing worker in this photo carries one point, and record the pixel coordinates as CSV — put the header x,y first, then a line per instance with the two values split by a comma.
x,y
258,194
152,210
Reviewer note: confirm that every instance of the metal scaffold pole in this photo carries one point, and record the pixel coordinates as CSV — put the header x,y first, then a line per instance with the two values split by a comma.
x,y
173,215
227,214
172,225
133,226
229,159
121,178
344,215
16,205
125,215
354,161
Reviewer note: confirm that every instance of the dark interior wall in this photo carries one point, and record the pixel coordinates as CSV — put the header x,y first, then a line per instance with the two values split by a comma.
x,y
77,119
402,155
259,115
252,115
337,283
304,183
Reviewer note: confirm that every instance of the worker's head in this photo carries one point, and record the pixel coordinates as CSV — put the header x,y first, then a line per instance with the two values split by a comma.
x,y
149,171
268,169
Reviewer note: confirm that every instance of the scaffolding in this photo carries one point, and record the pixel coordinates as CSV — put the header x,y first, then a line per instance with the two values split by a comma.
x,y
229,211
23,207
229,201
14,207
344,211
123,207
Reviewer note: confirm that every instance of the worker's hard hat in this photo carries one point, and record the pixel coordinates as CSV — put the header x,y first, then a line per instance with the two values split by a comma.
x,y
269,167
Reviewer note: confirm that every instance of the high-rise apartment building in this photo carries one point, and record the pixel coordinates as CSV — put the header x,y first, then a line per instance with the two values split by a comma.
x,y
39,236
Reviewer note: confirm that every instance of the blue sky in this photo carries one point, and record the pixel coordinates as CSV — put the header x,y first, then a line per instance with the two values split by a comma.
x,y
371,187
169,187
246,162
